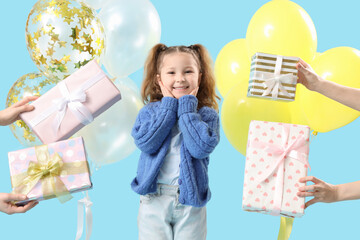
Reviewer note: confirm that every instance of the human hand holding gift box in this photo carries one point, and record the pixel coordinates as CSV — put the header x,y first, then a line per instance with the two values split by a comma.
x,y
273,76
71,104
48,171
276,158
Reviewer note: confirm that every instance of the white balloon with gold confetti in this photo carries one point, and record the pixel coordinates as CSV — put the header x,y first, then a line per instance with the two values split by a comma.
x,y
62,36
31,84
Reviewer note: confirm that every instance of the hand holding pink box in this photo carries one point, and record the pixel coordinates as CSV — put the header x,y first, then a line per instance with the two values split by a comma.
x,y
276,158
49,171
71,104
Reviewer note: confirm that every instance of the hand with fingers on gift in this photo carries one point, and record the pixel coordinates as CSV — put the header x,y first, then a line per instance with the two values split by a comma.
x,y
8,116
11,114
326,192
348,96
7,206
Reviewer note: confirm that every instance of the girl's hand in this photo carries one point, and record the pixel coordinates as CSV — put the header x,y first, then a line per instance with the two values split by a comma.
x,y
11,114
165,92
307,76
7,207
320,190
194,92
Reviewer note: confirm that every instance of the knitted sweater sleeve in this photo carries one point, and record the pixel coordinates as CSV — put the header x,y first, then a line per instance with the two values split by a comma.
x,y
154,123
200,129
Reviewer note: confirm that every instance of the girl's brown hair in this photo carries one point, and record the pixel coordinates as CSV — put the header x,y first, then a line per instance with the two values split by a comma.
x,y
150,89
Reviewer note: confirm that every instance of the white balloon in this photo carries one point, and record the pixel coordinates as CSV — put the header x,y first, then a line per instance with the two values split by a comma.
x,y
108,138
128,82
132,28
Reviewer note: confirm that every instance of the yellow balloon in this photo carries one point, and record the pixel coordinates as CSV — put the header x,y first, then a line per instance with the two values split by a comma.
x,y
340,65
238,110
317,55
282,27
231,65
297,114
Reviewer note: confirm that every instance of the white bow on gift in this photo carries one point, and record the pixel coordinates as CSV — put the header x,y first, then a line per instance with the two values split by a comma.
x,y
74,101
274,85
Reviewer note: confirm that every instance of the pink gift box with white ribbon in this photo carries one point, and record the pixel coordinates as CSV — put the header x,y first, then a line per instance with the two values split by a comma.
x,y
276,158
71,104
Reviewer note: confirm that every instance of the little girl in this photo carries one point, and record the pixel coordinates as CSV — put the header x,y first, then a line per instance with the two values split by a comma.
x,y
176,131
320,190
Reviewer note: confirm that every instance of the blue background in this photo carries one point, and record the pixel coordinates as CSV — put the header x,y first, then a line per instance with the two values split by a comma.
x,y
334,156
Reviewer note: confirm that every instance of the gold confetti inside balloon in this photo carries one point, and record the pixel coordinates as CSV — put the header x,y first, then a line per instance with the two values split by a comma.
x,y
31,84
62,36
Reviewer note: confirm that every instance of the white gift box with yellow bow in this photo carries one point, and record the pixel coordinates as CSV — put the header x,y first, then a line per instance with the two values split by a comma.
x,y
273,77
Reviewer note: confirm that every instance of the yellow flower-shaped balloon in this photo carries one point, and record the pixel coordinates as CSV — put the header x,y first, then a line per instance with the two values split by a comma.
x,y
62,36
31,84
279,27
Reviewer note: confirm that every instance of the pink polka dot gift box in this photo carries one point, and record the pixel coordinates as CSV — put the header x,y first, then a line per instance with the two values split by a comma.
x,y
276,158
48,171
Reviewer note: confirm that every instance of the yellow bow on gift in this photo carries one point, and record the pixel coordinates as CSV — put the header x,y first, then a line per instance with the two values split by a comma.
x,y
47,170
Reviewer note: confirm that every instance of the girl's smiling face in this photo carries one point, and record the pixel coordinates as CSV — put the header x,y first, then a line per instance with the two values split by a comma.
x,y
179,73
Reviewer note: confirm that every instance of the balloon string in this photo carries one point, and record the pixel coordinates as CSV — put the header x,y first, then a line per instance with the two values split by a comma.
x,y
92,166
313,135
286,225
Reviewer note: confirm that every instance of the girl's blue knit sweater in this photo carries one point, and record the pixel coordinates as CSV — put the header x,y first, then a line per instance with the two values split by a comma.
x,y
200,130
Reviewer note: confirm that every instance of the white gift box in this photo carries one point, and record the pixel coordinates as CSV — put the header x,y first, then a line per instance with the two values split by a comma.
x,y
276,158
